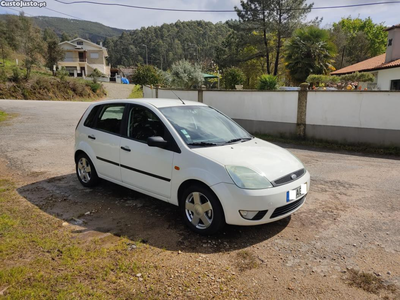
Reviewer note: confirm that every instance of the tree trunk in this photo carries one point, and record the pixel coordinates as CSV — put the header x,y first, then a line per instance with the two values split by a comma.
x,y
266,43
278,46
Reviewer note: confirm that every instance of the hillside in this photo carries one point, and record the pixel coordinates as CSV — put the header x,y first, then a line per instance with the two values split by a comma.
x,y
192,40
85,29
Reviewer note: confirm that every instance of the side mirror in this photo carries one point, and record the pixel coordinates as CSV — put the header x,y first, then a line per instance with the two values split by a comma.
x,y
157,141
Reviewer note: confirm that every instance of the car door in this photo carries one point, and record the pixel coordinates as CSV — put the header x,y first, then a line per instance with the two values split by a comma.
x,y
144,167
105,140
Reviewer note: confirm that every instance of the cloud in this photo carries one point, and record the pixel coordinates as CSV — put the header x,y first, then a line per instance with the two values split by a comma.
x,y
129,18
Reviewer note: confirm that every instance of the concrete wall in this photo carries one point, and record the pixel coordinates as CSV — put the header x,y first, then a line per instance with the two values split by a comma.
x,y
352,116
263,112
148,92
367,117
386,76
184,95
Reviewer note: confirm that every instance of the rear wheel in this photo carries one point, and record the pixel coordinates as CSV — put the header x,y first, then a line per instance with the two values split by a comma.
x,y
86,171
201,210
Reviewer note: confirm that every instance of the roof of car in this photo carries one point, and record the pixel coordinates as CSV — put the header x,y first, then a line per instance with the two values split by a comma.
x,y
156,102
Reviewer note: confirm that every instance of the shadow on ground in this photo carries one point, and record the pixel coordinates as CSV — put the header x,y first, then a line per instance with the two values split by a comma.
x,y
109,208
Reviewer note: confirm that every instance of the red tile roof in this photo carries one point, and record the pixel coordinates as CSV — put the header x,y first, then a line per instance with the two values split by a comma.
x,y
392,27
375,63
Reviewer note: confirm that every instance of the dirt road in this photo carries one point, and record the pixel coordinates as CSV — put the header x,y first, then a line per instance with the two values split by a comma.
x,y
351,218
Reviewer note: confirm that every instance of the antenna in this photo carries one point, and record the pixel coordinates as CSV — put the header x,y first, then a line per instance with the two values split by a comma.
x,y
177,96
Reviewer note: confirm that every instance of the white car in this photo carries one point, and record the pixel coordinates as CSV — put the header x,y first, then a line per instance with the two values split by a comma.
x,y
190,155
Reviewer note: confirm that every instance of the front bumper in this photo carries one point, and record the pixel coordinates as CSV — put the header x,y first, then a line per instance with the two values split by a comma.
x,y
234,199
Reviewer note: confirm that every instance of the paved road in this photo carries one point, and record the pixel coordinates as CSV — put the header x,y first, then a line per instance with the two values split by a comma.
x,y
351,217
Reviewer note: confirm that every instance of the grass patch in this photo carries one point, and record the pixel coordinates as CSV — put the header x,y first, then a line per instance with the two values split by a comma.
x,y
41,258
3,116
246,260
329,145
369,282
137,92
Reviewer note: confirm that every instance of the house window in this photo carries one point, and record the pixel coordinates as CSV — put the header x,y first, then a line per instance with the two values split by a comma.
x,y
94,55
390,42
395,85
79,43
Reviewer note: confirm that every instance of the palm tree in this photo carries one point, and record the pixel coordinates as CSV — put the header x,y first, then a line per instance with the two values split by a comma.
x,y
309,51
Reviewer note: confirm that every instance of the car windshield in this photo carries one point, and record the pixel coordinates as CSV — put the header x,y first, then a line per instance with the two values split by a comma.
x,y
204,126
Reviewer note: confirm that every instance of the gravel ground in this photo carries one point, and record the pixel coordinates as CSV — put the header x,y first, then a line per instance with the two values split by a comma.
x,y
351,219
118,91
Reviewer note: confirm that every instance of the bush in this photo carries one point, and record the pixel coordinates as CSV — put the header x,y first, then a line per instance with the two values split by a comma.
x,y
3,75
16,76
185,75
62,73
267,82
94,86
146,75
357,77
233,76
96,74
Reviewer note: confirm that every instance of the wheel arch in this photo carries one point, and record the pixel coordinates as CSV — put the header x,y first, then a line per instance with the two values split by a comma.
x,y
184,185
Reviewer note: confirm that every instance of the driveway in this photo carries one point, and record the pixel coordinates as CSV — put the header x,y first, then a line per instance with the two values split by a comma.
x,y
351,218
117,90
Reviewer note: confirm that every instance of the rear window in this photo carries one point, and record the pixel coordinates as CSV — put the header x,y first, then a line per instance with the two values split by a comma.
x,y
90,120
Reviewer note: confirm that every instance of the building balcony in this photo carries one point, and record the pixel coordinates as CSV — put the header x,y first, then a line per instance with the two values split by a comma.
x,y
83,60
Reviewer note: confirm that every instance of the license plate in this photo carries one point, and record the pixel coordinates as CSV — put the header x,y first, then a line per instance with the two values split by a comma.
x,y
296,193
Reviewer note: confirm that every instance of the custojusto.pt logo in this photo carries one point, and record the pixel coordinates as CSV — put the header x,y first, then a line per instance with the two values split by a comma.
x,y
22,4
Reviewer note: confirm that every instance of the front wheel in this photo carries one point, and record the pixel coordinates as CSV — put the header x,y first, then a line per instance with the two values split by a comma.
x,y
202,210
85,171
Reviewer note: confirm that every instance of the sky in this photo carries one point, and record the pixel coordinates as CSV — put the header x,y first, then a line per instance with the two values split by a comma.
x,y
130,18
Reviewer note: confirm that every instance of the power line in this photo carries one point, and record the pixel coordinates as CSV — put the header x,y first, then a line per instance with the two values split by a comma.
x,y
63,13
219,11
19,11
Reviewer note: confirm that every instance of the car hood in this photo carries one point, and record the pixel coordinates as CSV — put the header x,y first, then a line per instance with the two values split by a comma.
x,y
263,157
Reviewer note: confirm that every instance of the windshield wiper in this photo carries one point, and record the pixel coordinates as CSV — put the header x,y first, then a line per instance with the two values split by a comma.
x,y
202,144
238,140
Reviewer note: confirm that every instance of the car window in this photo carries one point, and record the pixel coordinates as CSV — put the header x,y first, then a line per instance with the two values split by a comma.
x,y
143,123
110,118
90,120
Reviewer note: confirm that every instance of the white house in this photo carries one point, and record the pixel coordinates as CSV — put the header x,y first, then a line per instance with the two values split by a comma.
x,y
81,57
385,67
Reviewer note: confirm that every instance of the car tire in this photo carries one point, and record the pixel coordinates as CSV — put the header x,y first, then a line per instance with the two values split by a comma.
x,y
85,171
201,210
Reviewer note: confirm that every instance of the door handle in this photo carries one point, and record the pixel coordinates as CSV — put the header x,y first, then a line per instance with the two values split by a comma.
x,y
91,137
126,148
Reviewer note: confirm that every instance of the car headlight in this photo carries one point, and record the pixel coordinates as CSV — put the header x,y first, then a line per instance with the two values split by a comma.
x,y
246,178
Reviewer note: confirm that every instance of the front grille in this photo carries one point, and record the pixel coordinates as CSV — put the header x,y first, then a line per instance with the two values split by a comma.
x,y
288,178
283,210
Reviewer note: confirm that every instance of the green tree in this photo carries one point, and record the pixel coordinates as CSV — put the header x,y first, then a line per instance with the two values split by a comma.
x,y
357,40
185,75
146,74
31,44
271,21
54,52
233,76
65,37
309,51
4,47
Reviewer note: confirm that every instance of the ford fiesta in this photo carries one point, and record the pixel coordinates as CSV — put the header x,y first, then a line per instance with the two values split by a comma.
x,y
190,155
